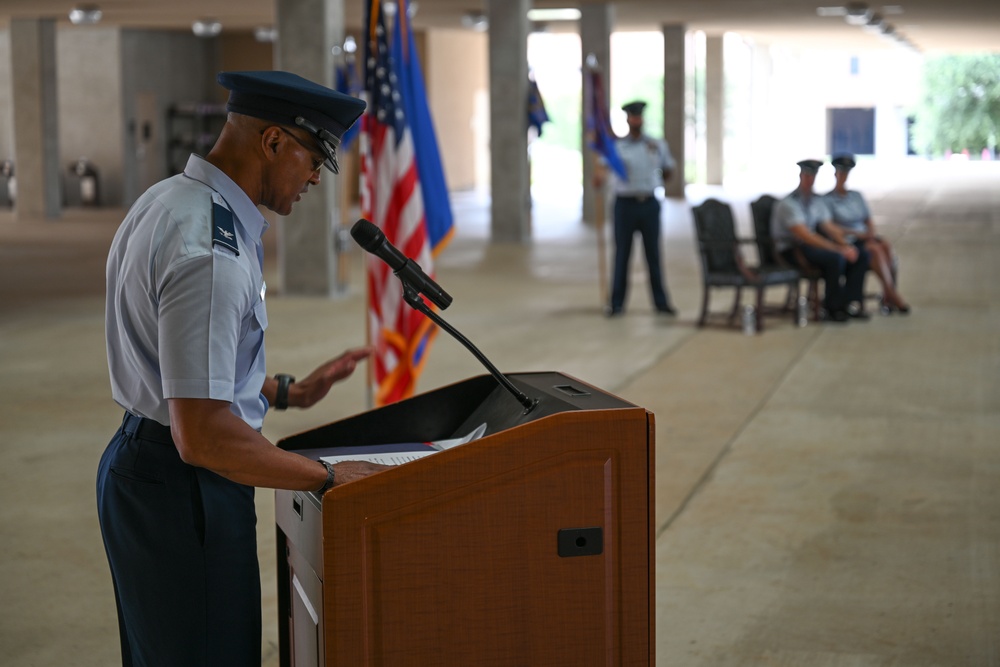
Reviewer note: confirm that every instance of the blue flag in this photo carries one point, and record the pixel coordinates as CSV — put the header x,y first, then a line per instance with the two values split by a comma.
x,y
348,82
600,136
437,205
537,115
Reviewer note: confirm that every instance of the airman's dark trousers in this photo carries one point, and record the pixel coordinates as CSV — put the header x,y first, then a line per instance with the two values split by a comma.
x,y
182,546
642,215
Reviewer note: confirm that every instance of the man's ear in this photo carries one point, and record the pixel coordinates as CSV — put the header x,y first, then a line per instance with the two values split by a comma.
x,y
270,140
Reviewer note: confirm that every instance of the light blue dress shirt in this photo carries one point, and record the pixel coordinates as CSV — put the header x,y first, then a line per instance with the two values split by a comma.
x,y
796,210
645,160
185,318
849,211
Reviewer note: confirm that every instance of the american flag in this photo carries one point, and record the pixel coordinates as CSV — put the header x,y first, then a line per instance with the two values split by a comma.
x,y
391,198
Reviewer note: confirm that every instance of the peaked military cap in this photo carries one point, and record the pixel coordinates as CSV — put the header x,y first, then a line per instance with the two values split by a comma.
x,y
810,166
843,162
288,99
634,108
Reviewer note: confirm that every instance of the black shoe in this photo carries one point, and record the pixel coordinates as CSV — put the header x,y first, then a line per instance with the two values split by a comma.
x,y
860,315
666,310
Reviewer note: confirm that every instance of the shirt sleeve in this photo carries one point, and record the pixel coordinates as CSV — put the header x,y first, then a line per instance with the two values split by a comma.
x,y
863,207
787,215
203,300
668,163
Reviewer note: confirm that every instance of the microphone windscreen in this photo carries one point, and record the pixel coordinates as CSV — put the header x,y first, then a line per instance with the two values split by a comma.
x,y
367,234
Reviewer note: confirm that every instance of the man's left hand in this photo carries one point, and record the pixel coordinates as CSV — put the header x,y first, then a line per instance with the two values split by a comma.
x,y
310,390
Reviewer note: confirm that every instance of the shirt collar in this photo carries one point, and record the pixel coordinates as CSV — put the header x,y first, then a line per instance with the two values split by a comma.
x,y
200,169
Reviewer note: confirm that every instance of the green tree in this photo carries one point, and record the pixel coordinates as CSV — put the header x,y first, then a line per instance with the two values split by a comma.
x,y
961,104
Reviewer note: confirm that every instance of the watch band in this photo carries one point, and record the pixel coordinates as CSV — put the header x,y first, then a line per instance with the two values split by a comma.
x,y
330,478
281,396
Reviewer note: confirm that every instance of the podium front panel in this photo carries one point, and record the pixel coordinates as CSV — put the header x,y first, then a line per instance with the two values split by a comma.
x,y
530,546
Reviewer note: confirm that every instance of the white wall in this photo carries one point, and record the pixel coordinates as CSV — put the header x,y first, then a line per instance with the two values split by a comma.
x,y
456,75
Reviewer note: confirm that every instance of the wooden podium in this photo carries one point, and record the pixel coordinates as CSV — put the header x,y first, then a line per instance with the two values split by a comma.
x,y
532,546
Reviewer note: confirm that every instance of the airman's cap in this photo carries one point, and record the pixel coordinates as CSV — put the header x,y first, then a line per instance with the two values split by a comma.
x,y
288,99
843,162
810,166
634,108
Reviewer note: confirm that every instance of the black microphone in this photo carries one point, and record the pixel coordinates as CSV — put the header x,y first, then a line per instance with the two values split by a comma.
x,y
371,238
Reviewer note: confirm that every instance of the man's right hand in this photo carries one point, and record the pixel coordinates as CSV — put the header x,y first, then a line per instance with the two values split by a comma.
x,y
849,252
349,471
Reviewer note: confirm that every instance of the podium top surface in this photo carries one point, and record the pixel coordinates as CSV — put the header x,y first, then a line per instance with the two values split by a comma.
x,y
457,409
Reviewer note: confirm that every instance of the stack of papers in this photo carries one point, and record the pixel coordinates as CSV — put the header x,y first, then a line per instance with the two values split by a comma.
x,y
420,450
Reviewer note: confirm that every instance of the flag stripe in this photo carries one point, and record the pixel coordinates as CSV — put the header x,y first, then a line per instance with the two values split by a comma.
x,y
392,198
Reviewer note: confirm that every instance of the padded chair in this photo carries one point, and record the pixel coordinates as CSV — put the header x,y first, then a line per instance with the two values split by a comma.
x,y
769,256
723,264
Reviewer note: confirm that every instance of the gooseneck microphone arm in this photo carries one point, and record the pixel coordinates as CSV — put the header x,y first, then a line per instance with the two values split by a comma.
x,y
416,282
411,297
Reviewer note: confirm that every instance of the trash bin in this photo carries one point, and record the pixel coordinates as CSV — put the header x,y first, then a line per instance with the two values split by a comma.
x,y
84,183
8,184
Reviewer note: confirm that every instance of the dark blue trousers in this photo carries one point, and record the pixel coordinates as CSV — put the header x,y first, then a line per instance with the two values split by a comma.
x,y
182,546
643,216
838,293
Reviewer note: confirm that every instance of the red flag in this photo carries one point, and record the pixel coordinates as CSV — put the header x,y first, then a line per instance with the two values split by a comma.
x,y
391,198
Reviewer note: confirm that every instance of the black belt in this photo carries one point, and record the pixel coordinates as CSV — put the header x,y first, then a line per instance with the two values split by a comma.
x,y
636,198
147,429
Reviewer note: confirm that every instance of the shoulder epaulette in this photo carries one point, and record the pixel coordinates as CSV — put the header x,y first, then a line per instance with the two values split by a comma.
x,y
224,228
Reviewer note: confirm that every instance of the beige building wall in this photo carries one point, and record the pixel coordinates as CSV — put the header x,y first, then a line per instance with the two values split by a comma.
x,y
91,121
457,77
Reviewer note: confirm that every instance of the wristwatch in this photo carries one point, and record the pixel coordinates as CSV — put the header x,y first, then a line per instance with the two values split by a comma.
x,y
330,478
281,396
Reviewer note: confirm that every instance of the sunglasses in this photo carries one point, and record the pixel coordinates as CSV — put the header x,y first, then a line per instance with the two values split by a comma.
x,y
326,141
317,163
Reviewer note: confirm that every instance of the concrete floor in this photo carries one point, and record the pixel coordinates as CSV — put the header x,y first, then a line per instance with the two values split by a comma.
x,y
826,496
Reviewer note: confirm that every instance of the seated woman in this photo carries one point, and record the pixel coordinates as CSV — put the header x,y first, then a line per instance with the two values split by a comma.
x,y
849,211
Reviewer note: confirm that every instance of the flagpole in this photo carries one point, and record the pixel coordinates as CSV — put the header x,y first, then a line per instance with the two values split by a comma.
x,y
602,254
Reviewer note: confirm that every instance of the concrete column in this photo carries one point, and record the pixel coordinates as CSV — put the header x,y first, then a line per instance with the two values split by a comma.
x,y
714,108
596,23
510,220
36,117
307,238
673,103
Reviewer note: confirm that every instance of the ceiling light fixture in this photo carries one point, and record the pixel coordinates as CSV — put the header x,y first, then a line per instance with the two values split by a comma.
x,y
265,34
875,23
475,21
568,14
85,15
206,27
857,13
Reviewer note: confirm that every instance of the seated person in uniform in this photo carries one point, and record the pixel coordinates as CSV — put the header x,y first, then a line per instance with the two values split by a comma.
x,y
803,230
850,213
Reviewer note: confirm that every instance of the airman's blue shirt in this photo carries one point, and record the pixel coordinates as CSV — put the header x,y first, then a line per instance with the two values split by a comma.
x,y
645,160
796,210
849,211
185,313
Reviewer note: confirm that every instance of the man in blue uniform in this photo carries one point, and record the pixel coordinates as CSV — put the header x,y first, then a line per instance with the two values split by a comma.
x,y
801,225
185,322
648,163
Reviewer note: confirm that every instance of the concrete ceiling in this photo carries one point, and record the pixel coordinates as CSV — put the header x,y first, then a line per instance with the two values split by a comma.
x,y
930,25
